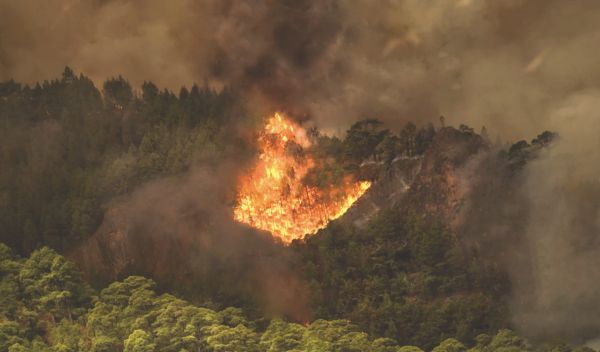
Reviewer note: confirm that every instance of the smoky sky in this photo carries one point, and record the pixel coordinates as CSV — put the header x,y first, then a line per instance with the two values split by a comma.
x,y
502,64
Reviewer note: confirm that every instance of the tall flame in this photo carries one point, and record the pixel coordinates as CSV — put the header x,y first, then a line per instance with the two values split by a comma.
x,y
272,196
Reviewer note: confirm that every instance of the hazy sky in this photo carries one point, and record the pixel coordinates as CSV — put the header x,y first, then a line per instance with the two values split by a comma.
x,y
506,64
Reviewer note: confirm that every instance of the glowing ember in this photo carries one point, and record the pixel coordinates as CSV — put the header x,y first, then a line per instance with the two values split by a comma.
x,y
272,196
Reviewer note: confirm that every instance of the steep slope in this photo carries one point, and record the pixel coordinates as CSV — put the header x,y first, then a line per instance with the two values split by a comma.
x,y
405,262
395,264
431,185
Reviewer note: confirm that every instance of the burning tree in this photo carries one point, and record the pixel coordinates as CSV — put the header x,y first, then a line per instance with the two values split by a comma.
x,y
273,196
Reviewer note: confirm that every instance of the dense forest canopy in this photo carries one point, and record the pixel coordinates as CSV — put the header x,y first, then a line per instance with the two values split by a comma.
x,y
110,141
70,151
68,148
46,307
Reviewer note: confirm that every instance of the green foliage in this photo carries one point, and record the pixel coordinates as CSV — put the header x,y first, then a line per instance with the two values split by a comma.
x,y
67,336
53,285
222,338
139,341
9,282
45,295
409,349
9,334
282,336
366,139
105,344
401,277
450,345
67,149
362,138
503,341
387,149
118,93
130,316
583,349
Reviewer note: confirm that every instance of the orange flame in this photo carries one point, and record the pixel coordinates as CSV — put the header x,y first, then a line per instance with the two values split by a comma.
x,y
272,196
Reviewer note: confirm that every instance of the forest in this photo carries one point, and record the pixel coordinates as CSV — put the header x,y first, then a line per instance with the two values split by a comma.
x,y
46,306
402,282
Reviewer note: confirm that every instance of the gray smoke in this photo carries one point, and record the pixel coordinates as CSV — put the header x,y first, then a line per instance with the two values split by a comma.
x,y
493,63
541,224
180,232
563,230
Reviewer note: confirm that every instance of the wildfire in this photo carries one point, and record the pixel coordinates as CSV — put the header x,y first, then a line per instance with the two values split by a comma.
x,y
272,196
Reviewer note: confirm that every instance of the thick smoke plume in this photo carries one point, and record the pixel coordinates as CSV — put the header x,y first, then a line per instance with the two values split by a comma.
x,y
541,224
493,63
563,231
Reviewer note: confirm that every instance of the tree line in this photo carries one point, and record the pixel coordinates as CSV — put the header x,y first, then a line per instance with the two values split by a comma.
x,y
45,306
68,148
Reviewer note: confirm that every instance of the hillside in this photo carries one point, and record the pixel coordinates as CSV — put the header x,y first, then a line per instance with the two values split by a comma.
x,y
130,184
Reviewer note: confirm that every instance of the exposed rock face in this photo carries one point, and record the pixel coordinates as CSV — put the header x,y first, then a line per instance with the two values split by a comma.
x,y
439,189
432,185
389,188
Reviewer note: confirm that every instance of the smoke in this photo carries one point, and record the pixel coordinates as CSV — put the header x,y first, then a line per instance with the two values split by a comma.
x,y
541,224
563,194
498,64
180,232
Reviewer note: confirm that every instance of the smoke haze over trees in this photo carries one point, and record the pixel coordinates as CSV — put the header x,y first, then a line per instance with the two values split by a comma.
x,y
136,174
